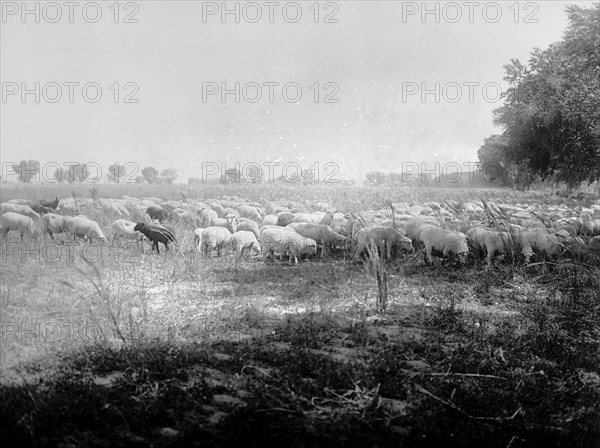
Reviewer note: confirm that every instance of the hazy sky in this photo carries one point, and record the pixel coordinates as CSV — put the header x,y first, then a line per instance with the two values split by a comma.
x,y
374,53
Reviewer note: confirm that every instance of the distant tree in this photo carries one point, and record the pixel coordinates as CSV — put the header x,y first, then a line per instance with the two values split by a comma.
x,y
76,173
231,175
169,175
115,172
27,170
140,180
375,178
293,177
150,174
254,174
393,179
59,175
308,177
494,161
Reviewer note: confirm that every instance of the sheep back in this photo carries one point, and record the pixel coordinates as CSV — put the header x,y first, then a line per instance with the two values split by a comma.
x,y
444,241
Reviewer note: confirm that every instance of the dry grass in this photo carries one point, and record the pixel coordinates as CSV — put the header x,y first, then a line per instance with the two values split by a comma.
x,y
179,348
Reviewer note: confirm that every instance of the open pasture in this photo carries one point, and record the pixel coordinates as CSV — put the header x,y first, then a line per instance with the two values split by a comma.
x,y
122,346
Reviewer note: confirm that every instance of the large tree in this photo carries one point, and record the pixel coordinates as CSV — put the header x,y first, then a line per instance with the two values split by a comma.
x,y
551,111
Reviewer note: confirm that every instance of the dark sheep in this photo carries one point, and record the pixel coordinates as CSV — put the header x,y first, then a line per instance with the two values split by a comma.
x,y
50,203
157,234
39,208
156,212
285,219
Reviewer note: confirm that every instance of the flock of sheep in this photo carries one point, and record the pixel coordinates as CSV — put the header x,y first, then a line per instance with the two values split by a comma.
x,y
295,229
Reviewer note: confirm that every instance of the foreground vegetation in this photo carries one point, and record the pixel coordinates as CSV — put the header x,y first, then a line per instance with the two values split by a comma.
x,y
181,350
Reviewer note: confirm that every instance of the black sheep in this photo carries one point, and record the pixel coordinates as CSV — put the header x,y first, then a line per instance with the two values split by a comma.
x,y
157,234
156,212
39,208
51,203
285,219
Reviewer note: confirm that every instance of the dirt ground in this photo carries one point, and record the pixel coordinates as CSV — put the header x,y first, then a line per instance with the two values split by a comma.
x,y
180,350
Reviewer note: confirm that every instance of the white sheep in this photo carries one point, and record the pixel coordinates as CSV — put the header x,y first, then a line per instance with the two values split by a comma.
x,y
86,228
444,241
476,238
206,240
231,211
279,209
526,222
121,209
541,243
186,216
229,222
243,240
68,206
270,220
315,217
414,227
362,220
340,224
595,243
207,215
21,209
247,211
16,221
591,227
323,206
321,233
282,239
110,206
571,229
249,225
488,242
327,218
218,208
197,206
502,242
123,228
383,238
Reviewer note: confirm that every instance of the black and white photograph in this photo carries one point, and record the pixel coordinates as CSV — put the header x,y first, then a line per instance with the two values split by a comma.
x,y
354,223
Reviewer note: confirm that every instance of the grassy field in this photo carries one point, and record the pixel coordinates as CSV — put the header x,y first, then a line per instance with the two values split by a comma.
x,y
139,349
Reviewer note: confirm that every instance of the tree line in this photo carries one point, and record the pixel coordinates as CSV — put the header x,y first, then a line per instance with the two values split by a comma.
x,y
462,179
550,116
27,171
